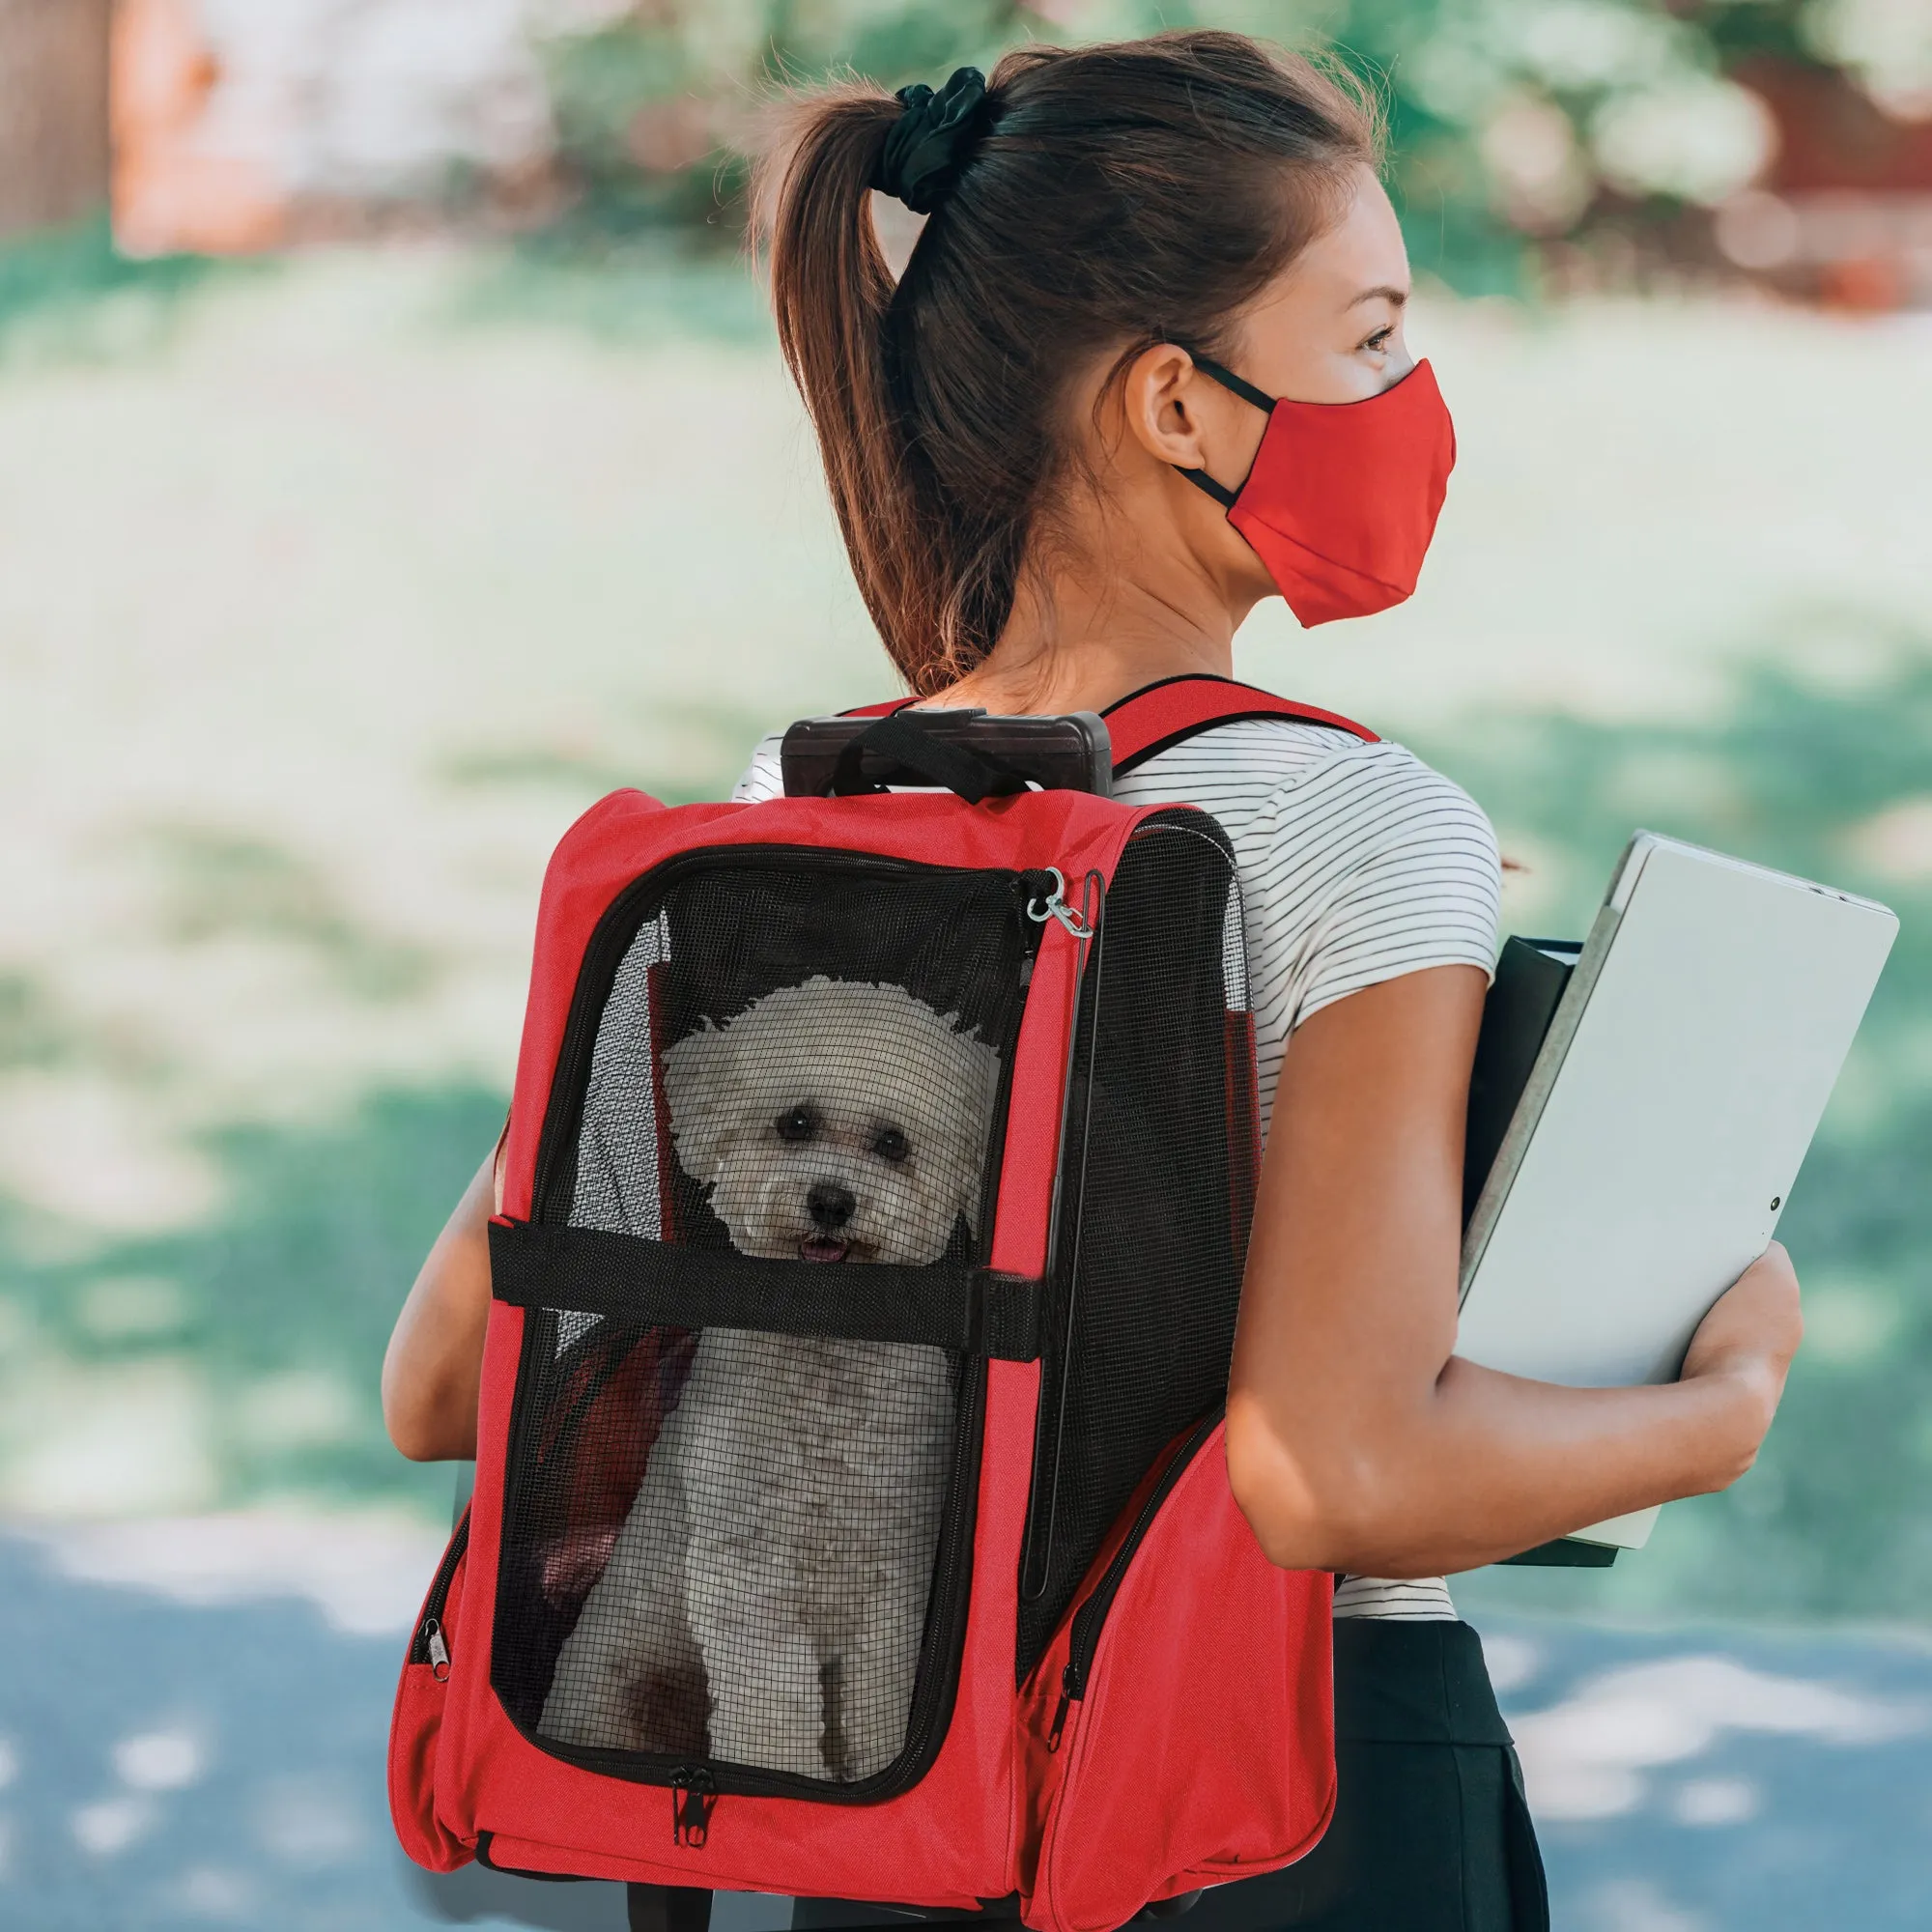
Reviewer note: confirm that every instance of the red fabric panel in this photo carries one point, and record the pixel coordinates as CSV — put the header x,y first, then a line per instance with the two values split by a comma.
x,y
1178,707
470,1697
1031,1157
1204,1747
414,1731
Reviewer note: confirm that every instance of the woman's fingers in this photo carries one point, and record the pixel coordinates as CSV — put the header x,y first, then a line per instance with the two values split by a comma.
x,y
1753,1330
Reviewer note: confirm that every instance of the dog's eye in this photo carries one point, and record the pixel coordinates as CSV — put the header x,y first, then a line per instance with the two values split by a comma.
x,y
800,1124
888,1144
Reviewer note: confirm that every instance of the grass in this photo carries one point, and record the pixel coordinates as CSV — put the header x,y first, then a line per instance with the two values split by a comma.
x,y
67,294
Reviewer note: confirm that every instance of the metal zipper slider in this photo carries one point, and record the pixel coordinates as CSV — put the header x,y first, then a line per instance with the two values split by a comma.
x,y
1055,906
438,1651
692,1795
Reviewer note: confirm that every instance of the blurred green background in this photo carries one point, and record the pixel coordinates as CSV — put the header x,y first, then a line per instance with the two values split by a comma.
x,y
335,578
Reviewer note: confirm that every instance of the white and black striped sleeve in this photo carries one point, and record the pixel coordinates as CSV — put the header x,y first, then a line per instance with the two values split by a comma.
x,y
764,775
1370,866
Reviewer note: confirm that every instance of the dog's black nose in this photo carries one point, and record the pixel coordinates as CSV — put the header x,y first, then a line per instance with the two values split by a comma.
x,y
830,1204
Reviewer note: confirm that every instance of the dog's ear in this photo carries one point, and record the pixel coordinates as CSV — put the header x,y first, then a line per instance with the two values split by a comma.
x,y
696,1077
981,1088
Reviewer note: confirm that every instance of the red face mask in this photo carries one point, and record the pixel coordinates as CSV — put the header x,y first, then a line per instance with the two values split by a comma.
x,y
1343,497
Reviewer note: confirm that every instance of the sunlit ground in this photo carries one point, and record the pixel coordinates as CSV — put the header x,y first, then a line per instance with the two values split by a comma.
x,y
331,592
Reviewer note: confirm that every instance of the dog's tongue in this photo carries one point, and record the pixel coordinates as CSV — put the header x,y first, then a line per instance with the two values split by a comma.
x,y
823,1248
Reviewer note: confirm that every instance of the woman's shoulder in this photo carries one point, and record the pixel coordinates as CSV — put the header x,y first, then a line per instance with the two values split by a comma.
x,y
1274,770
1335,798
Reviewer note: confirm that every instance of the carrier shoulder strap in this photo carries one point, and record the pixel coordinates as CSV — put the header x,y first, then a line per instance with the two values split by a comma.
x,y
1160,716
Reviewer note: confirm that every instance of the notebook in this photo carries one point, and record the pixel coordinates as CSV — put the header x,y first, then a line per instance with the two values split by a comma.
x,y
1640,1107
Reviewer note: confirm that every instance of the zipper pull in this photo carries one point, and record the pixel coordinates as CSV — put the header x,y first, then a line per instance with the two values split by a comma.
x,y
1069,1693
439,1650
692,1795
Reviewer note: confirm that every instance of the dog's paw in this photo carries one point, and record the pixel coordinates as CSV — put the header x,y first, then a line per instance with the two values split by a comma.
x,y
573,1563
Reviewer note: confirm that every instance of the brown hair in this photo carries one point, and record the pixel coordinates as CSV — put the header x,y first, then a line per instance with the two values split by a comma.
x,y
1122,196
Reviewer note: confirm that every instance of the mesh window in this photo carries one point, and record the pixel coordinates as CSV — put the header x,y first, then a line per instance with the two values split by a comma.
x,y
724,1546
1156,1189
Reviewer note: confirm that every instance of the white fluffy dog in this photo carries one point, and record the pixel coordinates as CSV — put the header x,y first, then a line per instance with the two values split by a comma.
x,y
765,1600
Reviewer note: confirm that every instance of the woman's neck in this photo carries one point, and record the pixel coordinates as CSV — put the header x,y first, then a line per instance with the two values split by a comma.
x,y
1081,645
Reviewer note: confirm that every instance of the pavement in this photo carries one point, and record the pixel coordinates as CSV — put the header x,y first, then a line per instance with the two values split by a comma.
x,y
192,1718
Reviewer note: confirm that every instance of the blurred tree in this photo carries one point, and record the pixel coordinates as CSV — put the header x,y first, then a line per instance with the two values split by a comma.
x,y
53,111
1534,141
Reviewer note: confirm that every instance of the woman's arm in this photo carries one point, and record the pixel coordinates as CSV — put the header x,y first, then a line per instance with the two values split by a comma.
x,y
433,1368
1357,1440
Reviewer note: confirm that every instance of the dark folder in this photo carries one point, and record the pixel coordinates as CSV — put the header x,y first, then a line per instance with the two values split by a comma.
x,y
1531,975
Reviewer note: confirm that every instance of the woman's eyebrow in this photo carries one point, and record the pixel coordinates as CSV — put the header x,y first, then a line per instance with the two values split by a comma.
x,y
1386,291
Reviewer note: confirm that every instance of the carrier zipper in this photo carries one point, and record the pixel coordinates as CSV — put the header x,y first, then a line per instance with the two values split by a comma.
x,y
692,1795
1029,889
431,1643
1091,1617
1045,1491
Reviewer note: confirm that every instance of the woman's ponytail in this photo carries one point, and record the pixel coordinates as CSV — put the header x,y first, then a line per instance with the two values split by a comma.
x,y
831,293
1087,202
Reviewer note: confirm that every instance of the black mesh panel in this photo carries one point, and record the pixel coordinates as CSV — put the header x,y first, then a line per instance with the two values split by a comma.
x,y
1156,1184
724,1546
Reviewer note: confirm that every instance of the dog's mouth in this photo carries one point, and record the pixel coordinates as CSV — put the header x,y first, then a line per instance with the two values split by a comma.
x,y
824,1248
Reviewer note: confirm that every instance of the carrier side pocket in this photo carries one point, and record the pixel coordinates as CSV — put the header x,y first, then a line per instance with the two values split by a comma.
x,y
1192,1732
418,1720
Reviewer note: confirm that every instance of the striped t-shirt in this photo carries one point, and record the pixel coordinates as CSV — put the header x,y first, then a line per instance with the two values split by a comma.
x,y
1357,863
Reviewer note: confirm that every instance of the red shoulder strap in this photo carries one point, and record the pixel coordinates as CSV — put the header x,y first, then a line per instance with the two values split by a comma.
x,y
885,709
1158,716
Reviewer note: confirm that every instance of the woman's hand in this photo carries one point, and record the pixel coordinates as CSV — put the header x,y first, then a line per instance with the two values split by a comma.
x,y
1751,1335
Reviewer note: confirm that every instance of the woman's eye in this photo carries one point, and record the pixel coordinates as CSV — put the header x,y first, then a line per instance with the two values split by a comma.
x,y
888,1144
1381,339
800,1124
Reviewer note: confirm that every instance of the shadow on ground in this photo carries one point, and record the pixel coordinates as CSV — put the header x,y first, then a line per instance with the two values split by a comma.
x,y
164,1762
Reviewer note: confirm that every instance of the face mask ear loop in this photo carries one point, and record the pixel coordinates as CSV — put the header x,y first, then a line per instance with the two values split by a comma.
x,y
1248,393
1228,379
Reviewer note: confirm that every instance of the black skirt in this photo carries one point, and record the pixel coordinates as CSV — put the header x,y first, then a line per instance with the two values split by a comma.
x,y
1431,1833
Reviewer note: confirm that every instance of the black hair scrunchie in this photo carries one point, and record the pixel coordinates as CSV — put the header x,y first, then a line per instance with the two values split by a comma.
x,y
932,140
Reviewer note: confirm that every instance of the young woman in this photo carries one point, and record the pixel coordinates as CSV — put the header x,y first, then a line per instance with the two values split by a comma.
x,y
1045,443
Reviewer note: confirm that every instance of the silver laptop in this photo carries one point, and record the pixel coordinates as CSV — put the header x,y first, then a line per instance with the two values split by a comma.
x,y
1664,1119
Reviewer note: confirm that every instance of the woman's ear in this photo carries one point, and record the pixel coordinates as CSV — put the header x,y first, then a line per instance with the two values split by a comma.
x,y
1182,417
1162,400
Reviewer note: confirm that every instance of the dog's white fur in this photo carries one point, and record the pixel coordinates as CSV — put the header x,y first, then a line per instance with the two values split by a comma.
x,y
771,1574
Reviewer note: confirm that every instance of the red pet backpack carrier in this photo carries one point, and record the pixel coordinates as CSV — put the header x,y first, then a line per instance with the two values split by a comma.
x,y
917,1577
